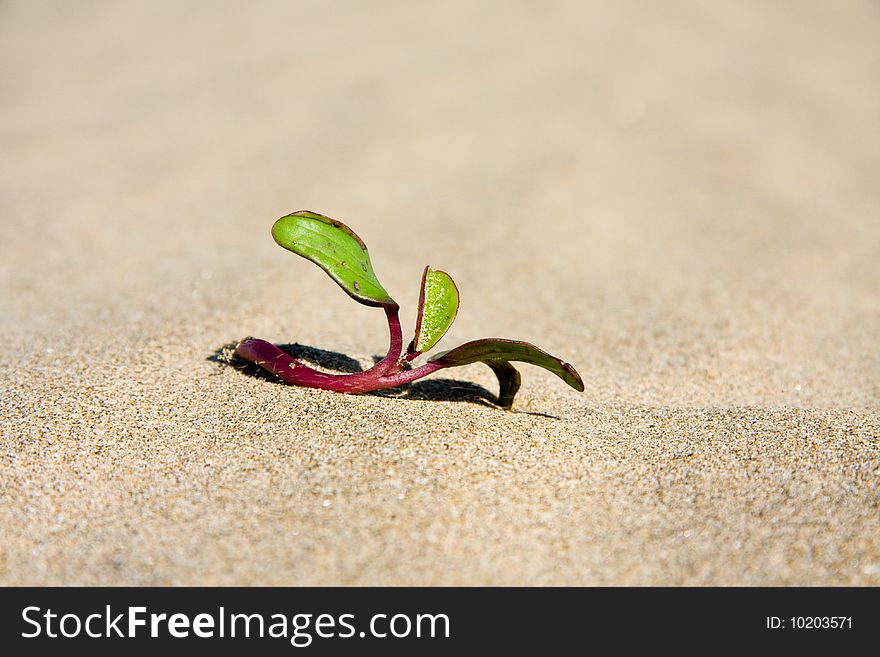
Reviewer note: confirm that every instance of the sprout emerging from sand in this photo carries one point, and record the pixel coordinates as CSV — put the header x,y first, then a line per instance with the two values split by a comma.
x,y
336,249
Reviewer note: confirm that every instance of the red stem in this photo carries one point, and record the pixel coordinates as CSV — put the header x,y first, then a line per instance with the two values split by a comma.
x,y
387,373
271,358
392,358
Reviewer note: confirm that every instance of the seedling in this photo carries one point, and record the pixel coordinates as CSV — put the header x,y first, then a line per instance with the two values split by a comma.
x,y
336,249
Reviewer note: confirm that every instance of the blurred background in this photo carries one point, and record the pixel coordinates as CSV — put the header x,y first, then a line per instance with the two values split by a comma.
x,y
682,193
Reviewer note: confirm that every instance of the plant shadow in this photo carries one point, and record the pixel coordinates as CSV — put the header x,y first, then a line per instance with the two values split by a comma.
x,y
430,390
441,390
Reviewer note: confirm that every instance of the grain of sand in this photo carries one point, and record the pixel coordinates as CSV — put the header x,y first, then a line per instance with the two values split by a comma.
x,y
681,200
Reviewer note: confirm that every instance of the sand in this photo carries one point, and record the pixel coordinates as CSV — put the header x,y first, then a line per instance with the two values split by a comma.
x,y
680,200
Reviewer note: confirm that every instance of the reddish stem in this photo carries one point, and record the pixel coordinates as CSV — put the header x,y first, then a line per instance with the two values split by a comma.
x,y
271,358
387,373
392,359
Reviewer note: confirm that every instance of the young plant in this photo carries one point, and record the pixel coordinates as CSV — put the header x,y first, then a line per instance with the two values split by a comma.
x,y
336,249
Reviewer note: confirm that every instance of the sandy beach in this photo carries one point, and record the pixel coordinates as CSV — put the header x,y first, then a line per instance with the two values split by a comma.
x,y
680,200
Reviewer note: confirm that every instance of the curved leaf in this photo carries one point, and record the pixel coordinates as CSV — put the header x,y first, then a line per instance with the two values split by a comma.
x,y
336,249
499,349
438,306
508,381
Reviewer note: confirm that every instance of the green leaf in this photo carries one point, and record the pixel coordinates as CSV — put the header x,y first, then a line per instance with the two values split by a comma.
x,y
499,349
336,249
438,306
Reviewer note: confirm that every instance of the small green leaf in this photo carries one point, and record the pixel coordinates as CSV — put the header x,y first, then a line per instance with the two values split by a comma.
x,y
336,249
499,349
438,306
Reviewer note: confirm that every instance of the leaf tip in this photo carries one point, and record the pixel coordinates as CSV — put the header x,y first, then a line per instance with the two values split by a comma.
x,y
577,382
